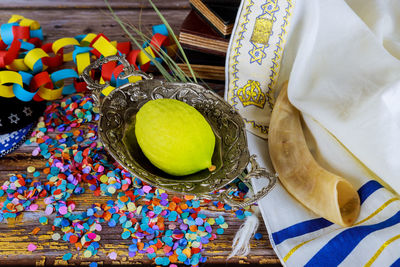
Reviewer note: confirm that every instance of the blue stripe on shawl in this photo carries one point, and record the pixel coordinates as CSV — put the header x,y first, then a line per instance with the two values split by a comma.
x,y
300,229
309,226
367,189
344,243
396,263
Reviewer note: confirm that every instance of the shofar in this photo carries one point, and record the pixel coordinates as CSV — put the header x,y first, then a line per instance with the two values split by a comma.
x,y
325,193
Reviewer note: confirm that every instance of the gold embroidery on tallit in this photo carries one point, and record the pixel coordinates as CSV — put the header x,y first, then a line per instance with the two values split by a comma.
x,y
251,95
262,31
237,50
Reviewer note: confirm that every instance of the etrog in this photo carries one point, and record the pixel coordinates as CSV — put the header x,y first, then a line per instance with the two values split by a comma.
x,y
174,136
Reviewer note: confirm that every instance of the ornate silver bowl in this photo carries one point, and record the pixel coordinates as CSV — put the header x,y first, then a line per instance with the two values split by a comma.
x,y
116,131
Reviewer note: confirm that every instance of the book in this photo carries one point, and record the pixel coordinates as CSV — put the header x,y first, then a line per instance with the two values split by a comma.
x,y
221,14
197,34
205,66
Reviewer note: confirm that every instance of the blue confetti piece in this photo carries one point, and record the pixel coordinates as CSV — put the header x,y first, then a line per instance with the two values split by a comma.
x,y
67,256
159,261
258,236
239,212
227,207
43,220
151,255
126,235
182,257
247,213
220,220
78,157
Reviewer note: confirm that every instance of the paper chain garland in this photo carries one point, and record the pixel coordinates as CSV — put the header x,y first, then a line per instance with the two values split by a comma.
x,y
33,69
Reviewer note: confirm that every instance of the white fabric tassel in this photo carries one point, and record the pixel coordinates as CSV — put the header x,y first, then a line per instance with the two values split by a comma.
x,y
241,242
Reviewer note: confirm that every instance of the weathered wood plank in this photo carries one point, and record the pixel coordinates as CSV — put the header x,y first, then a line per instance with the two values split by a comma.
x,y
58,24
88,4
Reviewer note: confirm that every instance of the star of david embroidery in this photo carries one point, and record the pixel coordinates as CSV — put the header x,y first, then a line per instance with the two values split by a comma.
x,y
27,111
270,8
13,118
257,54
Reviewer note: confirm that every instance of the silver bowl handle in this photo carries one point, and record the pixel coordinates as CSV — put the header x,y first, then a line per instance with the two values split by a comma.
x,y
97,88
255,172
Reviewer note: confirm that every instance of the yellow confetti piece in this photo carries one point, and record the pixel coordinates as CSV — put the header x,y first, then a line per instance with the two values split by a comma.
x,y
111,190
31,169
104,179
56,236
211,221
131,206
187,252
87,254
224,225
97,239
138,209
160,190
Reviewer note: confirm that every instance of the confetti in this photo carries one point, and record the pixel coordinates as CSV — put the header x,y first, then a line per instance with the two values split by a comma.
x,y
56,236
67,256
32,247
35,231
30,169
43,220
33,207
258,236
87,254
112,255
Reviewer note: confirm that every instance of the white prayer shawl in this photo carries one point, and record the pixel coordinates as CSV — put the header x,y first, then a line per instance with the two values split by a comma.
x,y
342,60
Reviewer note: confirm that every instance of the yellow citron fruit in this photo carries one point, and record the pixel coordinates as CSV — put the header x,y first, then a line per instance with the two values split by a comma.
x,y
174,136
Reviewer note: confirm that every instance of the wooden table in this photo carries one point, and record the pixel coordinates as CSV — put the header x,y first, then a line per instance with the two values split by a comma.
x,y
67,19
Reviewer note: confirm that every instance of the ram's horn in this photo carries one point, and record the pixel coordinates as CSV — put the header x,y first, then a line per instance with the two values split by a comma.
x,y
325,193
